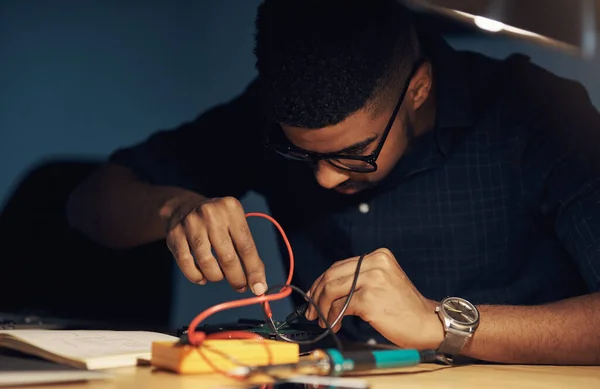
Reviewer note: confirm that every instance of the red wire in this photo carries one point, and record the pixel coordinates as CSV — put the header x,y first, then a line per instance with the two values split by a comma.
x,y
196,338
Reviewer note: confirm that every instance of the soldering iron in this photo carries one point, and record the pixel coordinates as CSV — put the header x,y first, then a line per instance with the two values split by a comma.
x,y
332,362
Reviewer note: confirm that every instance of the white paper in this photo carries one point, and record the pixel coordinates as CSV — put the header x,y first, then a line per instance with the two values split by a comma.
x,y
88,346
21,378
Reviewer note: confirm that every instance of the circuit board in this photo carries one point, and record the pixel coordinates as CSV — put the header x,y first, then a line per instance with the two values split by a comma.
x,y
294,331
302,331
291,331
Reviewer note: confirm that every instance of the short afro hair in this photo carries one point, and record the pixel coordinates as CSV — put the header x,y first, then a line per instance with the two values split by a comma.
x,y
320,61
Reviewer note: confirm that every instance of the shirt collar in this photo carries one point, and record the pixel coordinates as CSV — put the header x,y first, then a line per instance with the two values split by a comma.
x,y
454,104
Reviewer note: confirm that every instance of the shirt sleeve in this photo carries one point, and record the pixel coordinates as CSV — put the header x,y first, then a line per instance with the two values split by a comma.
x,y
217,154
570,124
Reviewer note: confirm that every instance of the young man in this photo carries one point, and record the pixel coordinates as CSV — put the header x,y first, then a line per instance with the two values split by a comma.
x,y
456,175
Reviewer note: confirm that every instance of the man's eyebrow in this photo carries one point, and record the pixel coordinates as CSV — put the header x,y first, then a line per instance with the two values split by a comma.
x,y
357,146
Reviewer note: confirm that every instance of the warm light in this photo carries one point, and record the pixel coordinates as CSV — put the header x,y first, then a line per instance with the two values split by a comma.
x,y
500,18
488,24
496,26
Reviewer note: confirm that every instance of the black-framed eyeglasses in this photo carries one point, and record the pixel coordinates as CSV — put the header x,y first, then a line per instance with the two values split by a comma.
x,y
353,163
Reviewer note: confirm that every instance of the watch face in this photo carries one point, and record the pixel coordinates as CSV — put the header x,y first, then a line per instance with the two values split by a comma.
x,y
460,311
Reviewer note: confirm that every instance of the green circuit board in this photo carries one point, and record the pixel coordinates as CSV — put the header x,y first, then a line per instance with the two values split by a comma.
x,y
282,328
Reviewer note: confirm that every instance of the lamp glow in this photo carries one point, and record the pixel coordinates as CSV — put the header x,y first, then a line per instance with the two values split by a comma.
x,y
488,24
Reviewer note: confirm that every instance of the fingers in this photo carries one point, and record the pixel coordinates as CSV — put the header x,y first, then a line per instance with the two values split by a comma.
x,y
378,274
335,294
355,308
178,245
332,290
246,250
227,256
341,272
217,225
336,284
335,265
381,259
200,246
336,309
231,239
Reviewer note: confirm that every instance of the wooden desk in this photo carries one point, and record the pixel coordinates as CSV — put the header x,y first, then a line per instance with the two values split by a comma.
x,y
464,377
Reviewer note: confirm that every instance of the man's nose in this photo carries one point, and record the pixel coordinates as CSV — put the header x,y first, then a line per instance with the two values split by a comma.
x,y
328,176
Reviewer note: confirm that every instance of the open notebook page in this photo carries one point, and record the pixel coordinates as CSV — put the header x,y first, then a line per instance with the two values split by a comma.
x,y
84,348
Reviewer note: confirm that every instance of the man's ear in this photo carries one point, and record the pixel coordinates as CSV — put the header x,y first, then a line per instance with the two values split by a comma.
x,y
420,86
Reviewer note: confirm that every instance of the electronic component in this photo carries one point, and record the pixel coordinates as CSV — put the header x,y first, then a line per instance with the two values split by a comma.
x,y
188,355
222,355
298,313
294,331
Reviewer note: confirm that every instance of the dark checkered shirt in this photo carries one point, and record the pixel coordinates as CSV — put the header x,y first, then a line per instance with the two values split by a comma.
x,y
500,204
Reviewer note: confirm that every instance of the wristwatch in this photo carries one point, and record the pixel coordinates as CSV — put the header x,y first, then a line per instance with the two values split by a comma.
x,y
460,319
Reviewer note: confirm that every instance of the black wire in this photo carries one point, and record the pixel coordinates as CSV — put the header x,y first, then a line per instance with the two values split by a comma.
x,y
329,327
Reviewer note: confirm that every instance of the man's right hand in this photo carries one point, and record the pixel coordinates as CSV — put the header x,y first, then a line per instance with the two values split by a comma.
x,y
210,240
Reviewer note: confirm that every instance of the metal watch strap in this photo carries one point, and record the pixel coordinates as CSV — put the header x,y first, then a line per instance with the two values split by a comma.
x,y
453,343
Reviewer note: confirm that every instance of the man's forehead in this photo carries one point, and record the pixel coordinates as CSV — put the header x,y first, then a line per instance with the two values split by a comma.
x,y
357,128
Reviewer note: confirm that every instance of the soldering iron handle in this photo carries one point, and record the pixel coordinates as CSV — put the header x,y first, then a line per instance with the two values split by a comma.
x,y
342,362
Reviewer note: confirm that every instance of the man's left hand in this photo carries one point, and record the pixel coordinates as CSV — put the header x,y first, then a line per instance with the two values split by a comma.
x,y
384,297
